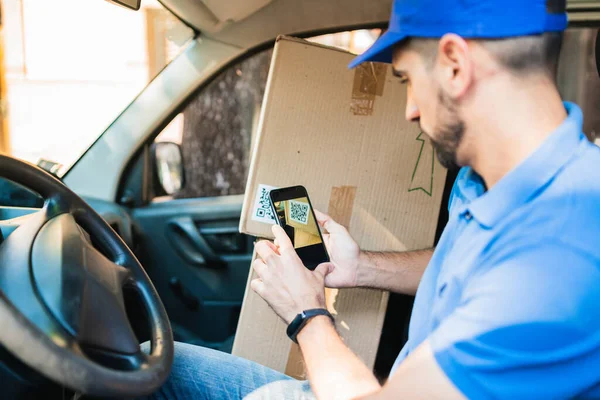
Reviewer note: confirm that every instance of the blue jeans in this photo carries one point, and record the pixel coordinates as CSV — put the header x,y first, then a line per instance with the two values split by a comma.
x,y
201,373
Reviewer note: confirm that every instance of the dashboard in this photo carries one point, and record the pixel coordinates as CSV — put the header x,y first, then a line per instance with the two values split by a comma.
x,y
116,216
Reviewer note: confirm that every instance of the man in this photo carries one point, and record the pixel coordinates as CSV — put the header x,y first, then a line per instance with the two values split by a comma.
x,y
507,306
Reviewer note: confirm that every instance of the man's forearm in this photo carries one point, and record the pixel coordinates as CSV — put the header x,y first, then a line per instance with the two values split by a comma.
x,y
334,371
397,272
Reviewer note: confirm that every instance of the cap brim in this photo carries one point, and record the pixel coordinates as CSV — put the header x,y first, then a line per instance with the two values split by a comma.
x,y
381,50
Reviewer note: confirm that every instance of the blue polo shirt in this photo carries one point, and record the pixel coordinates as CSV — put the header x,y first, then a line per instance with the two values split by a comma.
x,y
510,301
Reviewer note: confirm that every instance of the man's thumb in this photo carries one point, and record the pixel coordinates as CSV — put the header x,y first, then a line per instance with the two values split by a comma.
x,y
324,269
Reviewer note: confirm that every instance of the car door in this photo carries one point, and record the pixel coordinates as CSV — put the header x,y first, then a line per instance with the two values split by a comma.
x,y
188,238
199,264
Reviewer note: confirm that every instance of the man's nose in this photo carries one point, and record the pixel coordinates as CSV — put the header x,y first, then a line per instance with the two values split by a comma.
x,y
412,111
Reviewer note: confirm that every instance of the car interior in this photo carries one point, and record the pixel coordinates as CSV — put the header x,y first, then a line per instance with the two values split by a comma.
x,y
138,241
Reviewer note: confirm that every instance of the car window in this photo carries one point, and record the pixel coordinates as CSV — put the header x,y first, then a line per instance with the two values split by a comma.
x,y
73,66
215,129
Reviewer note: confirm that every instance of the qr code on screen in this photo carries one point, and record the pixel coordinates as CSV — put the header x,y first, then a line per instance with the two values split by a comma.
x,y
299,212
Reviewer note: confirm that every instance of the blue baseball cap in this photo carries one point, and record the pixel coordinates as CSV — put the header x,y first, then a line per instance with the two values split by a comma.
x,y
471,19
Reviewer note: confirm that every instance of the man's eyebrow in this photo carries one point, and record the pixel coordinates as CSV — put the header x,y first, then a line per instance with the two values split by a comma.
x,y
398,73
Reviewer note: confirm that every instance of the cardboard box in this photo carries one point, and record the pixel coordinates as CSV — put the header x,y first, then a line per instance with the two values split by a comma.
x,y
342,134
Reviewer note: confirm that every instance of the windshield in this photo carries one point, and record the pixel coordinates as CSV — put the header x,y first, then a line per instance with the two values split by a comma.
x,y
72,66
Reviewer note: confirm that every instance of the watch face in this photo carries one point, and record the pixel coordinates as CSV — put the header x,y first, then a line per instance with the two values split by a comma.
x,y
295,326
298,323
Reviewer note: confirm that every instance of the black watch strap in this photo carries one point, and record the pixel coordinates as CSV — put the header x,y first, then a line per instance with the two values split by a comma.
x,y
302,319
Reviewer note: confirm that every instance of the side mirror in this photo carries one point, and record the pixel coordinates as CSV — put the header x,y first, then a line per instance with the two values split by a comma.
x,y
131,4
168,167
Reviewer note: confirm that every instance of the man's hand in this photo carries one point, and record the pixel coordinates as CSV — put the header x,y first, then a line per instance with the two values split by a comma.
x,y
343,252
283,281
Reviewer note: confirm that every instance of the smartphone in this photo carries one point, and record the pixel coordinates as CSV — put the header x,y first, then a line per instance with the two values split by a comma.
x,y
294,213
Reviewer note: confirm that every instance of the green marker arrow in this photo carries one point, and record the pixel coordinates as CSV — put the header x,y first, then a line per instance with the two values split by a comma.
x,y
422,176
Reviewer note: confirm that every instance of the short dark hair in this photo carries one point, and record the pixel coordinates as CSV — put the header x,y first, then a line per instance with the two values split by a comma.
x,y
528,54
521,55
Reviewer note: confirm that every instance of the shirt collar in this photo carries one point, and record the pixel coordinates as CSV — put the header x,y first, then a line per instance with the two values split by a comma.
x,y
520,184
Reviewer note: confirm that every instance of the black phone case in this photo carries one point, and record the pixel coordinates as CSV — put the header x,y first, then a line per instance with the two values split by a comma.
x,y
290,193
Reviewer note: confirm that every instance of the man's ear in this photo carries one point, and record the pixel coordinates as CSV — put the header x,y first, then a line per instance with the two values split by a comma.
x,y
455,65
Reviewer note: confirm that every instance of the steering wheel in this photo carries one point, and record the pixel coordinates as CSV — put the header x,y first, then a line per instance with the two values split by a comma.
x,y
63,275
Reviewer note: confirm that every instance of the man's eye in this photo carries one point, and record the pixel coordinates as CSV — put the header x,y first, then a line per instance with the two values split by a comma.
x,y
403,79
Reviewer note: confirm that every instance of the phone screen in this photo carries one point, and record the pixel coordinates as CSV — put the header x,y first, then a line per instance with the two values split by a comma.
x,y
294,214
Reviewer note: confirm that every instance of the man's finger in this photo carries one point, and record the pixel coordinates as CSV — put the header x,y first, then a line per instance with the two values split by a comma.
x,y
283,241
326,237
264,251
273,246
325,221
258,286
260,267
321,217
323,270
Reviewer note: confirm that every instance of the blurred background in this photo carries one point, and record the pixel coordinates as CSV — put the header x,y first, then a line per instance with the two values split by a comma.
x,y
71,66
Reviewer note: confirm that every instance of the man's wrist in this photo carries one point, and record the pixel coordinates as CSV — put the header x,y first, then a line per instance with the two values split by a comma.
x,y
314,328
364,270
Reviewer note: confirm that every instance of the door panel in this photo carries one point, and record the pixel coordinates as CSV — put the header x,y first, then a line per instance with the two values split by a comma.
x,y
199,262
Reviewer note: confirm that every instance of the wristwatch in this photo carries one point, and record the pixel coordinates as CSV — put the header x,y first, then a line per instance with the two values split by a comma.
x,y
302,319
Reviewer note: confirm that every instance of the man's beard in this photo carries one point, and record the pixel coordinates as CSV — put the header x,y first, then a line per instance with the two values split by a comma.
x,y
448,134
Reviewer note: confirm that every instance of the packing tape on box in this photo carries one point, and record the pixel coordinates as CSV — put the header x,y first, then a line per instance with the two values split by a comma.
x,y
341,203
369,81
